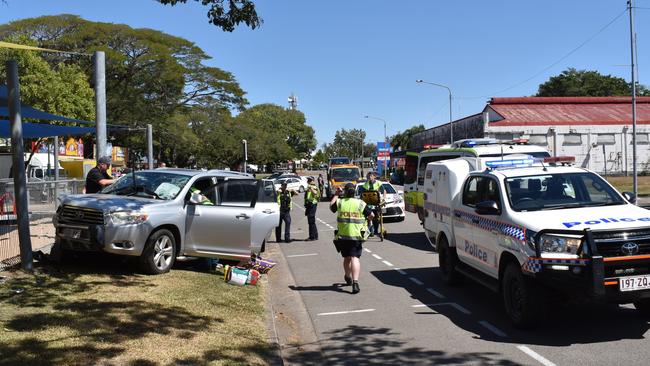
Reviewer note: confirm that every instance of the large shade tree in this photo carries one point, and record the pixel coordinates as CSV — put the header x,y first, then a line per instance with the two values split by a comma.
x,y
227,14
581,83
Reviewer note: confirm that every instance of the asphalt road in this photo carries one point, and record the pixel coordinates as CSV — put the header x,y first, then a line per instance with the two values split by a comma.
x,y
404,314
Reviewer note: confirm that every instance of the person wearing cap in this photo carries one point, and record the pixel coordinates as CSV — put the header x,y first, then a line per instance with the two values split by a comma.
x,y
351,215
97,177
284,201
373,185
312,196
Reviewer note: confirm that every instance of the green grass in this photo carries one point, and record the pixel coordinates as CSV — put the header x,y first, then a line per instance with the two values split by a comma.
x,y
105,313
624,184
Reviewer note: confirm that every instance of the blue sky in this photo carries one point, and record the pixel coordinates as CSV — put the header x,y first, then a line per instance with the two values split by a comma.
x,y
345,59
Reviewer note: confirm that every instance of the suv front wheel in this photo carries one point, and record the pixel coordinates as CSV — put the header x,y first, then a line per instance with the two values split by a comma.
x,y
523,300
159,253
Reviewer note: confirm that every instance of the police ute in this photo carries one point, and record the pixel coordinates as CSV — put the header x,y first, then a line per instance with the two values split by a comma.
x,y
537,229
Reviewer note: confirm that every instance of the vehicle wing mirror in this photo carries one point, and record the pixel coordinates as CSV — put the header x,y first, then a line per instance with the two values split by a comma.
x,y
400,192
487,208
630,197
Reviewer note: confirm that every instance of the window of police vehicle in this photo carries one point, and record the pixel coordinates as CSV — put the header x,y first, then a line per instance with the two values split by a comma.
x,y
557,191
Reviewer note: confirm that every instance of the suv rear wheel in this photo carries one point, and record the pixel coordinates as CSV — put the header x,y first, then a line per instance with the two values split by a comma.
x,y
524,302
159,253
448,262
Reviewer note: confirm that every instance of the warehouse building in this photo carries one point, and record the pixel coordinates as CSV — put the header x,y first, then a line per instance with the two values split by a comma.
x,y
596,130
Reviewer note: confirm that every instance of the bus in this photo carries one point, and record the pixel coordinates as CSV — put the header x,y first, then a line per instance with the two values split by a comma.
x,y
414,189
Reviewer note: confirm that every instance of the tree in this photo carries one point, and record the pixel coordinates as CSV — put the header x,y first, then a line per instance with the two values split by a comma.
x,y
58,89
227,17
151,77
319,157
402,140
574,83
346,143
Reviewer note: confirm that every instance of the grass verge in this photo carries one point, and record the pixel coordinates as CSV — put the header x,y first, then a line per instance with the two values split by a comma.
x,y
103,312
624,184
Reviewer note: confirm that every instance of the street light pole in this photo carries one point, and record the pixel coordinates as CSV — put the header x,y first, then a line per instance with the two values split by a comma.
x,y
451,126
385,140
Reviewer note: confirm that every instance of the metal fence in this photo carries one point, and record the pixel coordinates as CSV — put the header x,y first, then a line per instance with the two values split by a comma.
x,y
42,202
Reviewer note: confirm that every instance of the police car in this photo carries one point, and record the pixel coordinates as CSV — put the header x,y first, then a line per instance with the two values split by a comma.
x,y
530,228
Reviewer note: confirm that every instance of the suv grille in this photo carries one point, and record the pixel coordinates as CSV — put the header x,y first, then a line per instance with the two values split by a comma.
x,y
610,244
79,215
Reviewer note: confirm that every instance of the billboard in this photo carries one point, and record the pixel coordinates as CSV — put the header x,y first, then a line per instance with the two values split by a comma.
x,y
383,156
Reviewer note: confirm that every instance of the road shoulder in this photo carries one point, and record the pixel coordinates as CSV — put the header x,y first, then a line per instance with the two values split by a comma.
x,y
290,325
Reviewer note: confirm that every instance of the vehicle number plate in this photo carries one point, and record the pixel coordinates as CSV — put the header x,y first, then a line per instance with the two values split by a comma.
x,y
72,233
634,283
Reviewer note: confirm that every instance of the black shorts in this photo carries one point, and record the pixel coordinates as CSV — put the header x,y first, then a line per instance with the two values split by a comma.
x,y
349,248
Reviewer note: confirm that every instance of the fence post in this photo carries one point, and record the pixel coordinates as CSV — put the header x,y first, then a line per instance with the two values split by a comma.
x,y
20,181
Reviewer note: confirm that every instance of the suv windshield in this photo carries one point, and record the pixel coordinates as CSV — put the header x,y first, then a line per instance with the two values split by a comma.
x,y
159,185
345,174
557,191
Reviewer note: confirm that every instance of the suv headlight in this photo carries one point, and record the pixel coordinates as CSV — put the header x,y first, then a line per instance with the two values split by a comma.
x,y
397,198
128,217
559,244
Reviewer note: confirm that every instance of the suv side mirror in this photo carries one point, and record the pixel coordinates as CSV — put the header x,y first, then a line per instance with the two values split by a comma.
x,y
487,208
630,197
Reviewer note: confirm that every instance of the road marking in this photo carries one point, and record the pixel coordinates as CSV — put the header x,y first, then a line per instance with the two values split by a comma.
x,y
536,356
452,304
435,293
389,264
346,312
416,281
493,329
301,255
400,271
376,256
367,250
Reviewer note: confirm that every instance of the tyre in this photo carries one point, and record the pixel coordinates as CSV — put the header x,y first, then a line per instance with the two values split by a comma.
x,y
448,262
643,307
159,253
523,301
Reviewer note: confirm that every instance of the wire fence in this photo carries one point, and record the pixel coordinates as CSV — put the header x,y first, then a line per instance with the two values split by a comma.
x,y
42,202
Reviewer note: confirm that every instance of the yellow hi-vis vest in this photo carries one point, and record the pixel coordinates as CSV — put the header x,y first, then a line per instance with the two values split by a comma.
x,y
350,219
310,197
371,187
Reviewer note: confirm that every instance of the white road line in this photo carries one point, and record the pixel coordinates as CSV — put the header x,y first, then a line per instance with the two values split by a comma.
x,y
301,255
346,312
416,281
402,272
389,264
435,293
376,256
536,356
367,250
493,329
452,304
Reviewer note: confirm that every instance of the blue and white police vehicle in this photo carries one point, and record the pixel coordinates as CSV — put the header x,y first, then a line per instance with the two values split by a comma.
x,y
534,228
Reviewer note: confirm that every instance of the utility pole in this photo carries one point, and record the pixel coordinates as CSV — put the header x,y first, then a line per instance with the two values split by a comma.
x,y
245,146
150,145
99,75
20,181
633,57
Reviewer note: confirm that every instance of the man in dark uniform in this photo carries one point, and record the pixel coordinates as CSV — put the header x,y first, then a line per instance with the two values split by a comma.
x,y
312,196
284,200
97,177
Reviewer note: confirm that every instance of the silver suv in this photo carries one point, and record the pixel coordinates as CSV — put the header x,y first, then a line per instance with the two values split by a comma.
x,y
164,213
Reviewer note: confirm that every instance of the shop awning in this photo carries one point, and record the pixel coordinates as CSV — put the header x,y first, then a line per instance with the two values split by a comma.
x,y
30,112
37,130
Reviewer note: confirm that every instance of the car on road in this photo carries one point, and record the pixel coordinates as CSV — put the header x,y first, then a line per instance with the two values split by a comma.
x,y
159,215
394,208
293,183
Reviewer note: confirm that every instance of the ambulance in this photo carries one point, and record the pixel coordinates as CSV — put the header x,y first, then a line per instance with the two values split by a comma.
x,y
534,229
473,148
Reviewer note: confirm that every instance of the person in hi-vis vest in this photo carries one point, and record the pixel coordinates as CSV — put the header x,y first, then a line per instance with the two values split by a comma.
x,y
351,215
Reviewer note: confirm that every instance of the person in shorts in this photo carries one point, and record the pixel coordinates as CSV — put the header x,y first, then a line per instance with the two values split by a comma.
x,y
351,232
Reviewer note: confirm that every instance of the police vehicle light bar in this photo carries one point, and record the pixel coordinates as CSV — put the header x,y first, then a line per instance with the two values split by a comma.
x,y
511,163
559,159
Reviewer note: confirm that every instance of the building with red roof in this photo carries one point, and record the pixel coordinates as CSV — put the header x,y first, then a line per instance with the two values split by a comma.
x,y
596,130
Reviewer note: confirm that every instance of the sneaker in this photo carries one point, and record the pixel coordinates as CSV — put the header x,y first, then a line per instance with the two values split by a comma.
x,y
348,280
355,287
288,241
